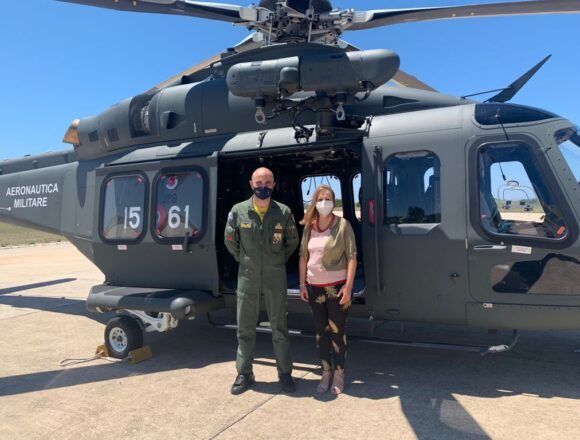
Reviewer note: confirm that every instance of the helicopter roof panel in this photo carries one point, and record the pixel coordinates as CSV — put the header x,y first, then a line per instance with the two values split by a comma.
x,y
198,148
438,119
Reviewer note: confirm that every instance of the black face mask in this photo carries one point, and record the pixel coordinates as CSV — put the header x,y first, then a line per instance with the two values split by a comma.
x,y
263,192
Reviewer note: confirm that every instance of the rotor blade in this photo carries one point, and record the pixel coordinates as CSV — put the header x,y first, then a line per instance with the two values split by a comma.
x,y
387,17
403,79
189,71
252,41
213,11
246,44
510,91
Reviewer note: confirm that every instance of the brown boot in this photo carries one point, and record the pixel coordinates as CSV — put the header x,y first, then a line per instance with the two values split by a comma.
x,y
324,381
337,382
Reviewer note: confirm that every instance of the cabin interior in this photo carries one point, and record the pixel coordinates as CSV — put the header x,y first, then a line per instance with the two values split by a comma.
x,y
297,173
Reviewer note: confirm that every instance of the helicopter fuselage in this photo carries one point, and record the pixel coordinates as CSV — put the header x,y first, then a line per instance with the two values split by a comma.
x,y
418,185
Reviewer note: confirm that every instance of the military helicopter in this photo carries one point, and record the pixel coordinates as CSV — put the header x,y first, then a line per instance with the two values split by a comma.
x,y
145,191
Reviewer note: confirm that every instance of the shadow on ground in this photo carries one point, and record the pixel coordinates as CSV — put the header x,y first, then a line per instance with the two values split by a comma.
x,y
425,380
24,287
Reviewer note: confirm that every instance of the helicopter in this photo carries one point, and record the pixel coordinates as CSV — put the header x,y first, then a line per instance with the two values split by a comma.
x,y
145,191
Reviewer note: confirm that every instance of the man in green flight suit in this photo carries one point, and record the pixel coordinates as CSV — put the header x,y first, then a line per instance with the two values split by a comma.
x,y
261,235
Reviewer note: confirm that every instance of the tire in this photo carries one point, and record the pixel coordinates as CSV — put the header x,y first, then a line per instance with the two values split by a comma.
x,y
122,335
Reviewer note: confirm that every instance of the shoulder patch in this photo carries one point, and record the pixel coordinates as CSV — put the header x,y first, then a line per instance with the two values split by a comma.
x,y
231,220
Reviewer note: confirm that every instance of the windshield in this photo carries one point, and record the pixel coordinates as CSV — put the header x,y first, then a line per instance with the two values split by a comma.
x,y
568,140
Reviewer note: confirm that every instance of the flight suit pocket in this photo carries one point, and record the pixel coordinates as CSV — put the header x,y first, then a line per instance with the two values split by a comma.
x,y
247,236
277,237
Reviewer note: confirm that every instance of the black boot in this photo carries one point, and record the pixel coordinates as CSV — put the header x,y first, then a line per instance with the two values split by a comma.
x,y
242,383
287,383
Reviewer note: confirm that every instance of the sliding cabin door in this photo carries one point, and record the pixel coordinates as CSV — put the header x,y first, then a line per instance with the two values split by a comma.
x,y
414,229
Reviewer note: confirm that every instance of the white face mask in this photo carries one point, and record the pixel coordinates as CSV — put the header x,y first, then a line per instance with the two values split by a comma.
x,y
324,207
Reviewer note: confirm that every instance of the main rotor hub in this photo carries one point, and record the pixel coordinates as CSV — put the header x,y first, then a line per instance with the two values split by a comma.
x,y
297,21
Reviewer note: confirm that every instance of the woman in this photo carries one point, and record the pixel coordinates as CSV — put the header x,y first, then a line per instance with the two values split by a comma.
x,y
327,268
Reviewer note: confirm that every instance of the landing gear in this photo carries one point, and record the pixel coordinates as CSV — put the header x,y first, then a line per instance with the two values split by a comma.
x,y
122,335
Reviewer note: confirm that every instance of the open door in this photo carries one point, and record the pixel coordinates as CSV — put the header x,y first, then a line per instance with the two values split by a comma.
x,y
298,171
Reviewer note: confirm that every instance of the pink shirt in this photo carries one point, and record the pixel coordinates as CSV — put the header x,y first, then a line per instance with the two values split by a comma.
x,y
316,275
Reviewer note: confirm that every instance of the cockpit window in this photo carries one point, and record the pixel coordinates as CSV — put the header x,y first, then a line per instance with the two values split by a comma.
x,y
495,113
514,197
568,140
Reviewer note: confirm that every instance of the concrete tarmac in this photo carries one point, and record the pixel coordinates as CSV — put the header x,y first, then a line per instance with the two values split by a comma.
x,y
393,392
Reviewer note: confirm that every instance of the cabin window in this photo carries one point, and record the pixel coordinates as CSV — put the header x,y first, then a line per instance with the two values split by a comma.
x,y
514,198
412,188
123,208
179,205
309,185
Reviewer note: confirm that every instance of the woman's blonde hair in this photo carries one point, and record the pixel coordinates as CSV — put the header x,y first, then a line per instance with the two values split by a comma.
x,y
311,213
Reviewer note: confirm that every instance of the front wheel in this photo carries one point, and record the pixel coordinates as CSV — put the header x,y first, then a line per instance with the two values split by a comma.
x,y
122,335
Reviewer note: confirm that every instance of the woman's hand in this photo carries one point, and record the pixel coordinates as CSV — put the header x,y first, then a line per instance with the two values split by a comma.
x,y
302,263
303,293
345,294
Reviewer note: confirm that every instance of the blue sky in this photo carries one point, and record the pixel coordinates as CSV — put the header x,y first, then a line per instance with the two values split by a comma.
x,y
60,61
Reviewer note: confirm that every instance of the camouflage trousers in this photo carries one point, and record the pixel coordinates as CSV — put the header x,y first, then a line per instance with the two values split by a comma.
x,y
329,325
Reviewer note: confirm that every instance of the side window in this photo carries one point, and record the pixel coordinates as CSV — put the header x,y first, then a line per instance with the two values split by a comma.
x,y
357,195
514,199
412,188
309,185
123,212
179,205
